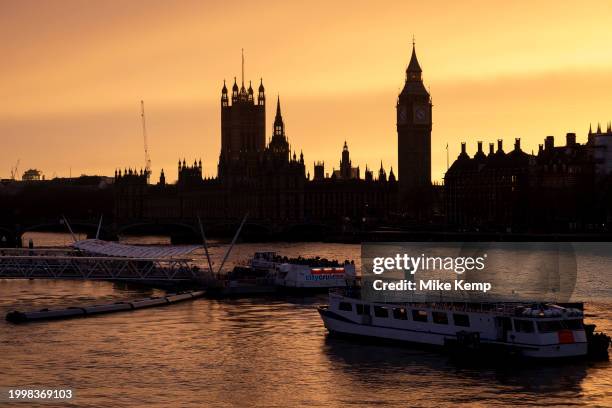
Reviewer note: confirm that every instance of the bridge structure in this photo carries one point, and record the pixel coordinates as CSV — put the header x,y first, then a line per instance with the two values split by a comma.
x,y
11,233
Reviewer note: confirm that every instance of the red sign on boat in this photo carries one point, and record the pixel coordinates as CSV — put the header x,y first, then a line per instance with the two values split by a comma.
x,y
327,271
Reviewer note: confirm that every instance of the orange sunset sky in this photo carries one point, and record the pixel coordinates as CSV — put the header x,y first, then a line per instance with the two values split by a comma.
x,y
73,73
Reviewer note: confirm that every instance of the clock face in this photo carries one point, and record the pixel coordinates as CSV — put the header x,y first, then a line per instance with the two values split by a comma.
x,y
402,115
421,114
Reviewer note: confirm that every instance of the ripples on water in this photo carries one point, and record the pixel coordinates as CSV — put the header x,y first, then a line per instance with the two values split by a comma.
x,y
255,352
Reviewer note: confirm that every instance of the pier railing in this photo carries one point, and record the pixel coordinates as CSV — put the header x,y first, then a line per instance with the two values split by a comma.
x,y
98,268
39,252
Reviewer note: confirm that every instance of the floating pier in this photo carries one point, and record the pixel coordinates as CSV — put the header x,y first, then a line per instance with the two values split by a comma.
x,y
70,312
94,259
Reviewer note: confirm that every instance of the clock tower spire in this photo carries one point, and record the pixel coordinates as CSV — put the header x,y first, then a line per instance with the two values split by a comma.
x,y
414,142
414,71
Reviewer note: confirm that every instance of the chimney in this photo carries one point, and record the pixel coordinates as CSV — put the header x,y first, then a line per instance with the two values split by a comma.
x,y
500,145
549,142
491,148
463,148
517,144
570,139
479,147
540,148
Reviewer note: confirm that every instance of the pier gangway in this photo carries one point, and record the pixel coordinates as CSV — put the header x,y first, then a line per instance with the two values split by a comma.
x,y
102,260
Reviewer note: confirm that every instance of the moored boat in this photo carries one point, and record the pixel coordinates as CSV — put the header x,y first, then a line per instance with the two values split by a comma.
x,y
304,274
546,331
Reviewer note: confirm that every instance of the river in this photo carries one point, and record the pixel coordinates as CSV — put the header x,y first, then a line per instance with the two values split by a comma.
x,y
260,352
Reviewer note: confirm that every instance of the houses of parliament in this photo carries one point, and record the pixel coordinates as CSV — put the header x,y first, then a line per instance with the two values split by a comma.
x,y
268,181
560,189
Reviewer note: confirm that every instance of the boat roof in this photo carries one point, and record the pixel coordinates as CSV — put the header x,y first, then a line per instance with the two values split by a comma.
x,y
108,248
506,308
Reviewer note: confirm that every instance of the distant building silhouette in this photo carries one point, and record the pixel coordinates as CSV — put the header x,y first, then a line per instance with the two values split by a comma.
x,y
188,175
267,181
24,204
32,175
319,170
561,188
347,171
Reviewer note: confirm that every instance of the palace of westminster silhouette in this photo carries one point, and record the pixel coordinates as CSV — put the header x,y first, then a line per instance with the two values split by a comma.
x,y
559,189
269,181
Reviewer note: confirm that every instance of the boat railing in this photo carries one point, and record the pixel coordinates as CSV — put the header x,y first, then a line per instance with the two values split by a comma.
x,y
312,262
499,308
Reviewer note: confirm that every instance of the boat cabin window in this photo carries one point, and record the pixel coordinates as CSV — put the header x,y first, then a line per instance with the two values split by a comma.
x,y
575,324
346,306
523,326
362,309
268,256
549,326
461,320
419,315
440,317
400,313
380,311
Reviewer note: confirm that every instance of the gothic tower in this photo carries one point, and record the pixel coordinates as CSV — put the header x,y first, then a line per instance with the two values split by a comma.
x,y
345,163
243,130
414,142
243,121
278,144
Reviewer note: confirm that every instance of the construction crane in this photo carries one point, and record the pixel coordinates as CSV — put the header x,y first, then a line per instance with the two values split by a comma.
x,y
14,170
146,144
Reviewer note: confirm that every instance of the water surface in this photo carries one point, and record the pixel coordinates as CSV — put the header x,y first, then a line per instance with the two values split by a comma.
x,y
261,352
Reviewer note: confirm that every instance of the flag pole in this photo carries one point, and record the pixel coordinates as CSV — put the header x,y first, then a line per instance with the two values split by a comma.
x,y
447,156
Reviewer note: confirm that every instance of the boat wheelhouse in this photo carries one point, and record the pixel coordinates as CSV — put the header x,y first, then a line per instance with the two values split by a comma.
x,y
545,331
240,281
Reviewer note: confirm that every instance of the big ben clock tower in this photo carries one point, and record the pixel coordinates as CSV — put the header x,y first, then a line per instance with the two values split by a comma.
x,y
414,143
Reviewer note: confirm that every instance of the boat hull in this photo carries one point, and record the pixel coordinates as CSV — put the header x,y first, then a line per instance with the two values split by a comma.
x,y
339,325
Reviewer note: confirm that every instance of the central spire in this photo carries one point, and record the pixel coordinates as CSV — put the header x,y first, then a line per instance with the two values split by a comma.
x,y
279,126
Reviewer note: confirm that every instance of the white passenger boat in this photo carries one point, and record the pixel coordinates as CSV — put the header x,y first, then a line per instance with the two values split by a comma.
x,y
308,274
546,331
